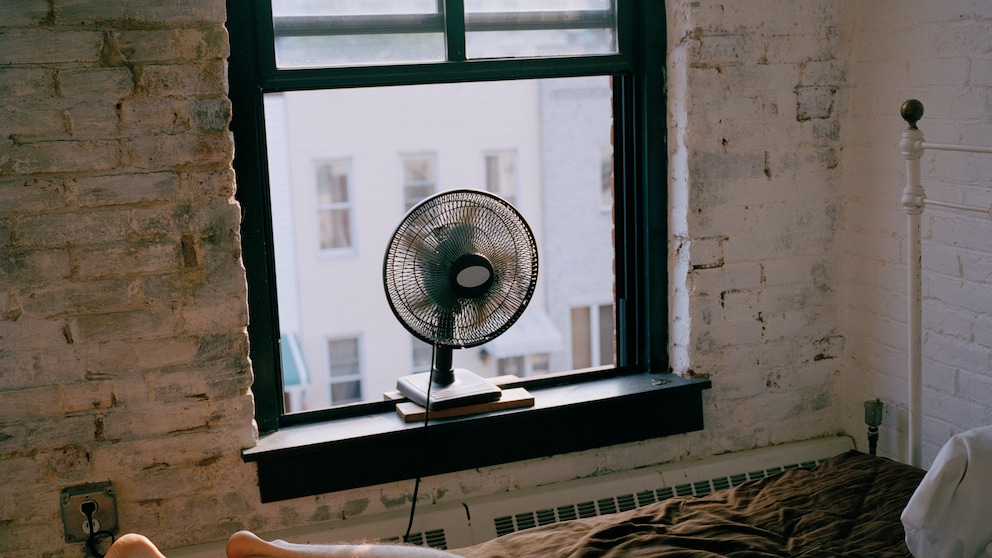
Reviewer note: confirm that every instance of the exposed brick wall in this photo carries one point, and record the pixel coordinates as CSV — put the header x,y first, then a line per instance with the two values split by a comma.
x,y
123,353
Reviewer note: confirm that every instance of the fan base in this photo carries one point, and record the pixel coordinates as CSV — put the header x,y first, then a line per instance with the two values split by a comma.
x,y
468,389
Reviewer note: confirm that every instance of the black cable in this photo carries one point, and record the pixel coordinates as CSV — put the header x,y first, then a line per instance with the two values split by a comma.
x,y
91,540
427,415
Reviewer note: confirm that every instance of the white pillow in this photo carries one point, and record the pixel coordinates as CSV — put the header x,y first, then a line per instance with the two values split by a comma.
x,y
950,513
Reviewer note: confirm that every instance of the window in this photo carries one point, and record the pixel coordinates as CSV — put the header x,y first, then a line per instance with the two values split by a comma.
x,y
527,88
333,205
345,368
418,179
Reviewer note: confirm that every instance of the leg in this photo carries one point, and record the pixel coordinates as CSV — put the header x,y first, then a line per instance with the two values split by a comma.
x,y
244,544
133,545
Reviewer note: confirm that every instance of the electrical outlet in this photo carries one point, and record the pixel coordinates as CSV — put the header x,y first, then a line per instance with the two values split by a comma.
x,y
96,498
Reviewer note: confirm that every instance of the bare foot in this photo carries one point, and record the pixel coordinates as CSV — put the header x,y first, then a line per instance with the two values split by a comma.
x,y
245,544
133,545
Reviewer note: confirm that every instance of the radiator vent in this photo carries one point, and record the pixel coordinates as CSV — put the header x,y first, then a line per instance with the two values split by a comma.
x,y
434,538
520,521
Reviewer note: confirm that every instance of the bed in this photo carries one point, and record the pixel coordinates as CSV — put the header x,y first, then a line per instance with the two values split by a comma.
x,y
849,505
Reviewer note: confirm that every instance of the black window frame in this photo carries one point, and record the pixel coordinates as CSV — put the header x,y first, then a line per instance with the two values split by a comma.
x,y
646,400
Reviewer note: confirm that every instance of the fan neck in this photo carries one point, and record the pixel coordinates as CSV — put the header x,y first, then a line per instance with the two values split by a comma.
x,y
444,373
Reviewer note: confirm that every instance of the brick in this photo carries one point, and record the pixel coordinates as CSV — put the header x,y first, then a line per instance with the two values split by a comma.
x,y
18,13
27,268
162,45
50,363
822,72
125,359
22,83
49,46
208,185
708,167
170,151
125,259
27,119
211,115
61,156
29,195
814,102
722,49
707,252
78,296
52,401
155,116
124,325
95,84
181,80
81,228
126,188
92,120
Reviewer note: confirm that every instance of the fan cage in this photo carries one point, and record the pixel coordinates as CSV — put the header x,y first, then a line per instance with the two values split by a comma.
x,y
422,250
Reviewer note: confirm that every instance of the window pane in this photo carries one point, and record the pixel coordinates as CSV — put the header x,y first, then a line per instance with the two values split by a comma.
x,y
313,34
524,28
554,130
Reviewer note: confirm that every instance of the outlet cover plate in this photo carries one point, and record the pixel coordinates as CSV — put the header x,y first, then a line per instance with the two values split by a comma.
x,y
74,519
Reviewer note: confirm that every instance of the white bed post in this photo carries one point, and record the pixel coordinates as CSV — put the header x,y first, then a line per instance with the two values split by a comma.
x,y
912,203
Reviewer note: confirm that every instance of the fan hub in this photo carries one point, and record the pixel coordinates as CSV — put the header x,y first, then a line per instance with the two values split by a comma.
x,y
471,275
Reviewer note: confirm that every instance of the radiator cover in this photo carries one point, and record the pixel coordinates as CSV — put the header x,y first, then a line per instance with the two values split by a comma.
x,y
460,524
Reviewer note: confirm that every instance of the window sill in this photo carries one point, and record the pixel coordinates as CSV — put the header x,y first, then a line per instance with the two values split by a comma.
x,y
311,459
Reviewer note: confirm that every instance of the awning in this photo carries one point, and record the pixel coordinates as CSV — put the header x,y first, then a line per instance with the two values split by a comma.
x,y
533,333
294,369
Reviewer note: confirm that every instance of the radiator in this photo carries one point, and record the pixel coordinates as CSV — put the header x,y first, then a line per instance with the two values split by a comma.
x,y
455,525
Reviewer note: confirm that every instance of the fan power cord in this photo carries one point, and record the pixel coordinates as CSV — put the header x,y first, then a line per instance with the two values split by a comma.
x,y
94,536
427,416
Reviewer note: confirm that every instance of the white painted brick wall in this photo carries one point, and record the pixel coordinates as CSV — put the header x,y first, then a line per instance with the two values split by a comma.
x,y
764,199
938,53
123,353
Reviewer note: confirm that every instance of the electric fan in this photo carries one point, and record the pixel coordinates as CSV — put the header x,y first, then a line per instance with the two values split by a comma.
x,y
458,272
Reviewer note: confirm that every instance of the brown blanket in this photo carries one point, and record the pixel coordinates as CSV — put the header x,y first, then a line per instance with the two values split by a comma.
x,y
847,506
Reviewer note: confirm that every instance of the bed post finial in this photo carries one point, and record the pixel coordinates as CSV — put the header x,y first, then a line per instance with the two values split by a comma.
x,y
912,112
